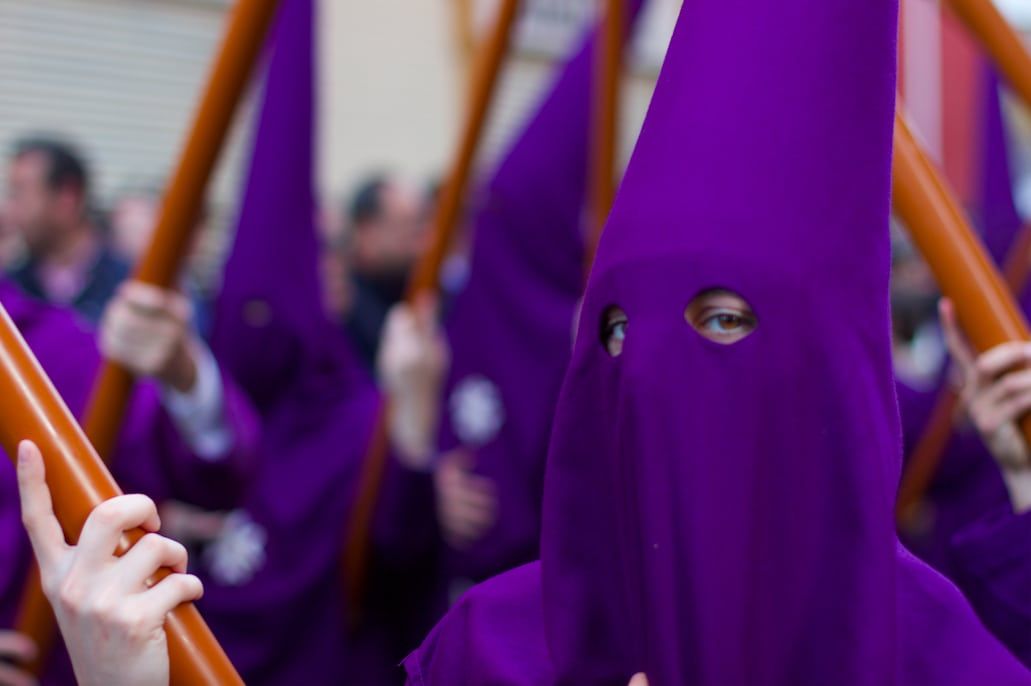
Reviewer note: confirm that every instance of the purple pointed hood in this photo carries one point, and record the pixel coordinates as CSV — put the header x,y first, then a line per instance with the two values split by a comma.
x,y
511,326
270,286
709,508
277,607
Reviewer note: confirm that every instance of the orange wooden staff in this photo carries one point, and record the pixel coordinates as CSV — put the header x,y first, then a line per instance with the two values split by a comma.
x,y
985,306
425,280
605,123
929,450
30,408
999,40
162,262
1010,55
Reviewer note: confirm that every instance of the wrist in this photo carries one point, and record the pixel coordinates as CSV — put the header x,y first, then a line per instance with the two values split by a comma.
x,y
412,433
181,372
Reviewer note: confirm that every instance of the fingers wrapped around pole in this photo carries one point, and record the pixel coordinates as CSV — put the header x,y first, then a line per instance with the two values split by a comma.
x,y
984,305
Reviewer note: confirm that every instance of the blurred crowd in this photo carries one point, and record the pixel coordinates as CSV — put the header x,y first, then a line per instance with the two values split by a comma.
x,y
62,246
264,382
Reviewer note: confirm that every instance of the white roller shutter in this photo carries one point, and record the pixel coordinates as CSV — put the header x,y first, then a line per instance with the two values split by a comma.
x,y
120,78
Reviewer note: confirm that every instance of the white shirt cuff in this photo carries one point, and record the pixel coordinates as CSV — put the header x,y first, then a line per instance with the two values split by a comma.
x,y
199,414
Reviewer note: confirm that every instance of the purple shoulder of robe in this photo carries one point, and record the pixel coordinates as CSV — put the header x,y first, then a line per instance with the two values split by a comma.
x,y
494,635
930,649
990,560
966,487
150,458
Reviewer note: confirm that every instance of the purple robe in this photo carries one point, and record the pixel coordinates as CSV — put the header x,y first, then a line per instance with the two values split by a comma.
x,y
964,528
510,329
510,333
150,456
274,591
723,514
990,560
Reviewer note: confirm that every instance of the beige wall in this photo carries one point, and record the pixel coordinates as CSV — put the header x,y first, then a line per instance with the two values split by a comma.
x,y
392,83
389,88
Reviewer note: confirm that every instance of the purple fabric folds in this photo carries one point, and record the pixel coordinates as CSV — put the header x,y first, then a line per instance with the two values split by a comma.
x,y
510,328
273,580
150,457
733,495
722,515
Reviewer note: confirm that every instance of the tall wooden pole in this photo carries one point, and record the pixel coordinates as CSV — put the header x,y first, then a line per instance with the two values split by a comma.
x,y
605,122
425,280
929,450
452,195
161,264
985,307
999,40
1010,55
30,408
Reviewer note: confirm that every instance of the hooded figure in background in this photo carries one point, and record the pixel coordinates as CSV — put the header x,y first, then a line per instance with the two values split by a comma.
x,y
273,588
719,494
509,331
508,335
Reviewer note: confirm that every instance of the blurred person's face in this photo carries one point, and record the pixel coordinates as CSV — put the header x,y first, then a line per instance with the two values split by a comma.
x,y
8,238
332,224
336,285
132,224
389,245
914,295
41,215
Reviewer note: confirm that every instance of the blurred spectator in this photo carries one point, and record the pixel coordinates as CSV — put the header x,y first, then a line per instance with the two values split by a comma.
x,y
454,272
387,222
337,288
67,261
10,244
333,261
134,216
919,351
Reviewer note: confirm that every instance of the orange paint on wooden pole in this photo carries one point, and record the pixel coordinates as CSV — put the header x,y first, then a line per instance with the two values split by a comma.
x,y
929,450
30,408
452,194
161,263
1000,41
985,307
425,280
605,123
1010,55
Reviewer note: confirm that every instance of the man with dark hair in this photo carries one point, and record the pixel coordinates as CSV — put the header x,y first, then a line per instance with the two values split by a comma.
x,y
387,220
66,260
